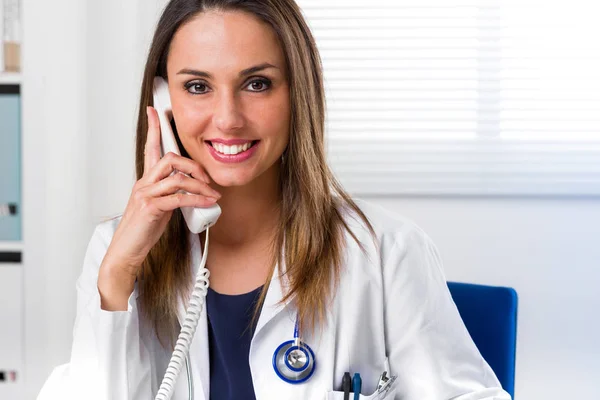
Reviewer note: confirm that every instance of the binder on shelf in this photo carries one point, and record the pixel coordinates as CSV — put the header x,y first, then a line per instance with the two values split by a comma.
x,y
10,163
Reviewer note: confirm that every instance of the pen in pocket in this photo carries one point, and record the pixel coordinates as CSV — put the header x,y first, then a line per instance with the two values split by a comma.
x,y
356,386
346,382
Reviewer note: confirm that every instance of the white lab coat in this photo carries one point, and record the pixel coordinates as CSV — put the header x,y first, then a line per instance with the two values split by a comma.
x,y
392,303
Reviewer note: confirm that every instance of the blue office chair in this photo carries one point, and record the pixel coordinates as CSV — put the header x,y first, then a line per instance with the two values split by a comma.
x,y
490,315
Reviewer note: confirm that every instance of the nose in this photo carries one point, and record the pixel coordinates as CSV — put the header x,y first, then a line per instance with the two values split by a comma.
x,y
227,114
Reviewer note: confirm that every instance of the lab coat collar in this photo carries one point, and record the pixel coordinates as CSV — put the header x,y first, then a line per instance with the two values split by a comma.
x,y
273,305
270,309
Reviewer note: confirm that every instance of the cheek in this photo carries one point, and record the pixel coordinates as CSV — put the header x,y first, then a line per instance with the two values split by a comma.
x,y
190,121
274,118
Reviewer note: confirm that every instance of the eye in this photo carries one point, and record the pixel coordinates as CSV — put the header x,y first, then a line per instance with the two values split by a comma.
x,y
196,87
259,85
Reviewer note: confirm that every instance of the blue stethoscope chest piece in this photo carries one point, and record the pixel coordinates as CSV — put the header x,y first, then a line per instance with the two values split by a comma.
x,y
294,361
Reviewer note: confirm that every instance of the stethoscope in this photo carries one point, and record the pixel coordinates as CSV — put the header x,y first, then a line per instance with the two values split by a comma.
x,y
294,360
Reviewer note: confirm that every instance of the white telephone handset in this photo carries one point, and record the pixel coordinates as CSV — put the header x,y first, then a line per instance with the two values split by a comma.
x,y
197,219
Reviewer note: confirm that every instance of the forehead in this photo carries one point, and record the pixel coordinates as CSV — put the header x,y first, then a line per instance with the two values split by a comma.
x,y
220,40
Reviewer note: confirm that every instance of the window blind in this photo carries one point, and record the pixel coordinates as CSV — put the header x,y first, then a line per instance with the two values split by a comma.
x,y
461,97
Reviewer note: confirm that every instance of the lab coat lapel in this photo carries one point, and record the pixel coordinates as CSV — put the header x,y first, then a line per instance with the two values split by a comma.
x,y
271,307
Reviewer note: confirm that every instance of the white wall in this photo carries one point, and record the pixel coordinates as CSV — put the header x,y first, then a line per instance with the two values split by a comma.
x,y
115,68
82,72
56,196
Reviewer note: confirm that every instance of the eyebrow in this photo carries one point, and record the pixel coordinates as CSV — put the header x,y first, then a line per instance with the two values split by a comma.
x,y
243,73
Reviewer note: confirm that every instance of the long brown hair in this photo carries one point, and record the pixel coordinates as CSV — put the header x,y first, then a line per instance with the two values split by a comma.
x,y
313,203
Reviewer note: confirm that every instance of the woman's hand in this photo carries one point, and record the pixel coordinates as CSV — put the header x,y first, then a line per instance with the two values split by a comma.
x,y
153,198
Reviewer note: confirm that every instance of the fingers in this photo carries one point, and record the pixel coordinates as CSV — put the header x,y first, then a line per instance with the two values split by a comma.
x,y
171,162
176,200
178,182
152,147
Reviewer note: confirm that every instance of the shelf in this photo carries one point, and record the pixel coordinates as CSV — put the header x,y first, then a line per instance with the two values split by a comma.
x,y
11,246
10,78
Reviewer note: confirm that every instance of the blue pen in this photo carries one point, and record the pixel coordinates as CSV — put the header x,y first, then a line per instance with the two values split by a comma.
x,y
356,386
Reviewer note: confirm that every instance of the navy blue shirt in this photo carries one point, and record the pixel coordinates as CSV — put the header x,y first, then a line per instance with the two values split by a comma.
x,y
229,337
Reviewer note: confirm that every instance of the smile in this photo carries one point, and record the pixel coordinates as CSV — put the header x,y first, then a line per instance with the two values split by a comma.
x,y
236,151
232,149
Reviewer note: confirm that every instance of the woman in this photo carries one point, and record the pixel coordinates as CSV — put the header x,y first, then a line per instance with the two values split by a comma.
x,y
364,287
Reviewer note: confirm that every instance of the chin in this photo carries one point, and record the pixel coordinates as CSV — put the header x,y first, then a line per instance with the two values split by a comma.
x,y
231,180
243,176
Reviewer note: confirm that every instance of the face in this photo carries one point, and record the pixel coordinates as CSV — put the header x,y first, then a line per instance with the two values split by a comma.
x,y
230,96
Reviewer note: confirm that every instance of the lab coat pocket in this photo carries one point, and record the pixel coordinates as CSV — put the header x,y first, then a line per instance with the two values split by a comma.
x,y
388,394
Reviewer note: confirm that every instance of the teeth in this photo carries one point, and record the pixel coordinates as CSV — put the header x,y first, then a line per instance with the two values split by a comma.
x,y
231,150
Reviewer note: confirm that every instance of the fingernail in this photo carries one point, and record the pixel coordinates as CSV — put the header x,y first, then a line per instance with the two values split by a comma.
x,y
148,111
211,199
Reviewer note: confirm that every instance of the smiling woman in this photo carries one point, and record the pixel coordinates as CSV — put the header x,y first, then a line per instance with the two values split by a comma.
x,y
229,74
305,284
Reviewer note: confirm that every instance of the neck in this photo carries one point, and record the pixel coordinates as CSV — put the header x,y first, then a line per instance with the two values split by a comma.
x,y
249,213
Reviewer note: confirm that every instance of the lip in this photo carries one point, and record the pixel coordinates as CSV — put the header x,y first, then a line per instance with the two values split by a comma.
x,y
232,158
229,142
